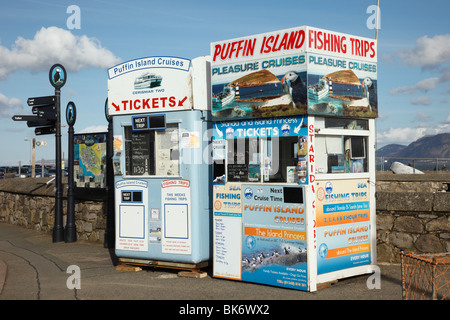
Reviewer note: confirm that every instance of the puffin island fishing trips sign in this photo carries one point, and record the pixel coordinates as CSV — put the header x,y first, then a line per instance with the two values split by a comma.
x,y
151,84
295,71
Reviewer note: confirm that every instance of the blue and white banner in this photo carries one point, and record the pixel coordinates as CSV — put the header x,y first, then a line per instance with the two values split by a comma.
x,y
261,128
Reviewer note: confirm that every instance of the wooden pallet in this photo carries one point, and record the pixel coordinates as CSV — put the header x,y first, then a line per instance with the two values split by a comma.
x,y
189,270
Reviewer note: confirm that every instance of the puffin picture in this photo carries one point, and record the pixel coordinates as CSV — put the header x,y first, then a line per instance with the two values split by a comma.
x,y
57,75
369,91
297,88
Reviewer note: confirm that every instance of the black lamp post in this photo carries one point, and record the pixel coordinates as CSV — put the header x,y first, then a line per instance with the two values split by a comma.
x,y
71,229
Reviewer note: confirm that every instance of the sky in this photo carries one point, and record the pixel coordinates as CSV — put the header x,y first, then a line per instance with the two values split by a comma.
x,y
413,54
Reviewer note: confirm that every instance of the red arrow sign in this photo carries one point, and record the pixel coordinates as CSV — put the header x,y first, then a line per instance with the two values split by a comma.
x,y
180,102
116,106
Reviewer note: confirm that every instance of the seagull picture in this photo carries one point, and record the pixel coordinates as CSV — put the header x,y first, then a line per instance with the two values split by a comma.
x,y
297,88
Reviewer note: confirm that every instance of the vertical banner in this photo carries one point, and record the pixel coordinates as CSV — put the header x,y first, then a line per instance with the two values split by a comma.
x,y
176,216
227,228
274,236
343,224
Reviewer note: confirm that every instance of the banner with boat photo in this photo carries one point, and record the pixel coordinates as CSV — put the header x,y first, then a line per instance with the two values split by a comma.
x,y
296,71
261,94
341,87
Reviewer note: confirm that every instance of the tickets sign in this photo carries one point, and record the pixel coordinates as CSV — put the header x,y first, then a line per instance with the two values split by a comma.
x,y
152,84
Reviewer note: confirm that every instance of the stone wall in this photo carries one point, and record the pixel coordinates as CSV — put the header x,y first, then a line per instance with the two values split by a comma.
x,y
31,203
413,214
411,221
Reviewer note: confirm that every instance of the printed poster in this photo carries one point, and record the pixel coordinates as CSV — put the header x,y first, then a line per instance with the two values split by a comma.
x,y
274,236
343,224
227,226
90,160
131,215
176,216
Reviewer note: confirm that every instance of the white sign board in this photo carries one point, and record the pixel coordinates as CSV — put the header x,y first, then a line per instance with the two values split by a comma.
x,y
151,84
132,215
176,216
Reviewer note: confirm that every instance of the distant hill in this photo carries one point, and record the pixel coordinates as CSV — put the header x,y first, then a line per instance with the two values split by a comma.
x,y
437,146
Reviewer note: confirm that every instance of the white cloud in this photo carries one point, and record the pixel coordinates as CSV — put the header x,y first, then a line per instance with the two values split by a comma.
x,y
428,52
424,85
423,100
9,106
92,129
407,135
54,45
446,121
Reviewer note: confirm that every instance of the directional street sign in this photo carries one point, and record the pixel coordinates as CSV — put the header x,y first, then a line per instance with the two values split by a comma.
x,y
44,114
39,101
44,130
45,111
40,122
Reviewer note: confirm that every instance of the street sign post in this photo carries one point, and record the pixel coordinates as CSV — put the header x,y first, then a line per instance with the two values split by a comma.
x,y
58,77
71,230
46,119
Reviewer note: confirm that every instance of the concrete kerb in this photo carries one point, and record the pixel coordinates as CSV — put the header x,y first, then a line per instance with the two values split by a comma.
x,y
3,270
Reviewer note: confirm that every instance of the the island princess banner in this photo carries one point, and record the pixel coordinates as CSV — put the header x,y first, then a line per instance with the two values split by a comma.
x,y
343,224
274,236
265,75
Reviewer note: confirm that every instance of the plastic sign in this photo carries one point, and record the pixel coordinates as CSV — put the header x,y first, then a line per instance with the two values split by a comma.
x,y
57,76
152,84
296,71
71,113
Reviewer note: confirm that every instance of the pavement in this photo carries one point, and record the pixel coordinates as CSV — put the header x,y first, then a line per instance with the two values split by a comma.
x,y
32,267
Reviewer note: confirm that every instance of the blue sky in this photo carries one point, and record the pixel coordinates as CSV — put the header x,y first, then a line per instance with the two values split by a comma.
x,y
413,54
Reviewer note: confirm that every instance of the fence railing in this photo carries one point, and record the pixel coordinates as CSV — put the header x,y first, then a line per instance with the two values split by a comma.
x,y
423,164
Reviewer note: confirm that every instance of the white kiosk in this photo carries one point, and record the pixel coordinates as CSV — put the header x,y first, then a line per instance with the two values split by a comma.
x,y
294,157
160,108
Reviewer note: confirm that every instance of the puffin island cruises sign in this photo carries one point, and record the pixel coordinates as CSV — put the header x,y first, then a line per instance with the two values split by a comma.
x,y
151,84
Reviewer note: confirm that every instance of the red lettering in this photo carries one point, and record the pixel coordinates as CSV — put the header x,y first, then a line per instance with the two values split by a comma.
x,y
372,49
155,103
172,102
163,100
145,104
311,38
366,48
311,158
217,50
353,45
300,39
234,49
135,104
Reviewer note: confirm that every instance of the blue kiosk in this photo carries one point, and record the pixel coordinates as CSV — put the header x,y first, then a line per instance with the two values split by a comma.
x,y
160,108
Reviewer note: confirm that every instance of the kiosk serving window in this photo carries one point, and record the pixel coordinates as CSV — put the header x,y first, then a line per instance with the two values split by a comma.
x,y
152,152
260,159
341,154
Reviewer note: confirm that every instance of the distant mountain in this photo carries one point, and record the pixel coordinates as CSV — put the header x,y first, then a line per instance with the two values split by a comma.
x,y
437,146
390,150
